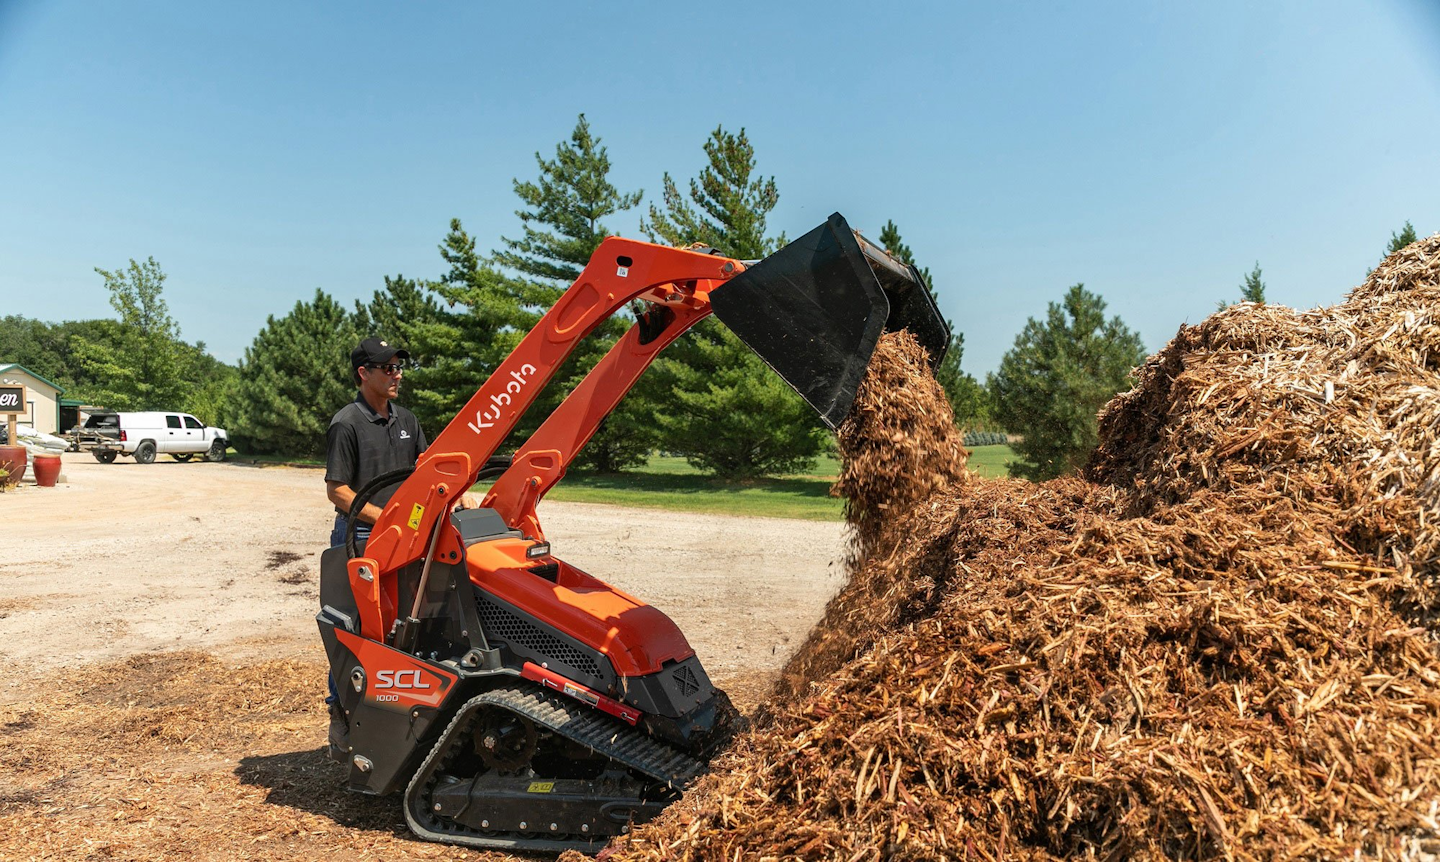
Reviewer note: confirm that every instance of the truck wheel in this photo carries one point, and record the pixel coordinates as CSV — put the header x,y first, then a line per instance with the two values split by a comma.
x,y
182,457
145,453
216,452
104,456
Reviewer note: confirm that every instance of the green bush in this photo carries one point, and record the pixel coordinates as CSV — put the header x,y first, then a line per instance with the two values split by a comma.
x,y
985,438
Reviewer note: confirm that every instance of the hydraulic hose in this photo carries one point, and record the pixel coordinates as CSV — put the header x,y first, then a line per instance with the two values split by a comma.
x,y
361,498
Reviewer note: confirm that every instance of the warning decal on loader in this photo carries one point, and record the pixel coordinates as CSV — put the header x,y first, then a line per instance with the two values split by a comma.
x,y
540,787
415,515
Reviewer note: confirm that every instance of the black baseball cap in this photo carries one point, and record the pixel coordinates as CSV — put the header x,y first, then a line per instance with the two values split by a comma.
x,y
373,351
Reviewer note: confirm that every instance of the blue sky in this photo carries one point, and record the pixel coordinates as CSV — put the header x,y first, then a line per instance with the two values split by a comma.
x,y
1154,151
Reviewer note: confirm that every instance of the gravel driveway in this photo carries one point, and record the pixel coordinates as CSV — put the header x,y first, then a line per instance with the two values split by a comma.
x,y
127,558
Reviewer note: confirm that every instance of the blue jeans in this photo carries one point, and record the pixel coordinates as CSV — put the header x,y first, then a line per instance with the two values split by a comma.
x,y
337,534
337,538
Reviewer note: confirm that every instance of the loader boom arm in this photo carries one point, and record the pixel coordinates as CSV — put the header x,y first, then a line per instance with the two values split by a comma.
x,y
678,281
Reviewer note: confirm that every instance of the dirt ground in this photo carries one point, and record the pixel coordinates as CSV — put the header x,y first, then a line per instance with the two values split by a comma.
x,y
165,675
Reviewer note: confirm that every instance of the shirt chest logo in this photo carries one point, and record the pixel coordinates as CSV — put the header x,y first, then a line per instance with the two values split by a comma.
x,y
404,435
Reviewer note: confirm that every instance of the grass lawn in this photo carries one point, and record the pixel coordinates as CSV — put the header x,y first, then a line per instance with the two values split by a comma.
x,y
990,461
804,497
671,483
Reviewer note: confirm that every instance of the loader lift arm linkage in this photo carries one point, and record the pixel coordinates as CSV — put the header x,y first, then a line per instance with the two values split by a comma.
x,y
678,281
813,311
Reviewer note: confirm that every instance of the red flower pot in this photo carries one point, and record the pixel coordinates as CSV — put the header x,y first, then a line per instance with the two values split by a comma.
x,y
14,459
47,470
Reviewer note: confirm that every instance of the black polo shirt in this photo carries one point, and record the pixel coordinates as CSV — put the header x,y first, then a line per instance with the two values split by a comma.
x,y
361,444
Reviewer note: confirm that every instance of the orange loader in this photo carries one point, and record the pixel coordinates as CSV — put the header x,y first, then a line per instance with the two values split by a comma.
x,y
518,702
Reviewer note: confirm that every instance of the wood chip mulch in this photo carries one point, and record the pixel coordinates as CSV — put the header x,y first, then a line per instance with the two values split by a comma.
x,y
1217,644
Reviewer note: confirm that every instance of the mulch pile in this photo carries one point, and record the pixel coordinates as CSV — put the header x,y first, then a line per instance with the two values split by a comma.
x,y
1217,644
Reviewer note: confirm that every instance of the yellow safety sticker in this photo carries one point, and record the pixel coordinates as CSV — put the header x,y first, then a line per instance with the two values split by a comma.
x,y
415,515
541,787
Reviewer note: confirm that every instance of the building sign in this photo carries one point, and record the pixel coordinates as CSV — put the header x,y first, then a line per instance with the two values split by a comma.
x,y
12,399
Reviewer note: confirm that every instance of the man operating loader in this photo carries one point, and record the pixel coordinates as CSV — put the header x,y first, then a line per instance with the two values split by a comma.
x,y
368,437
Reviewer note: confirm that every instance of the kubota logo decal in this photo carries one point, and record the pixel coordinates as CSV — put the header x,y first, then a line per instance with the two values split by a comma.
x,y
486,417
399,679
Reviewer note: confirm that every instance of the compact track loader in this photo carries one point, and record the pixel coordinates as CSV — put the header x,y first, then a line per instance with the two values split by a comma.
x,y
519,702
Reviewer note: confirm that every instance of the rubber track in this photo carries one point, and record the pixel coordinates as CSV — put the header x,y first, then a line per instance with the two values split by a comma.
x,y
596,731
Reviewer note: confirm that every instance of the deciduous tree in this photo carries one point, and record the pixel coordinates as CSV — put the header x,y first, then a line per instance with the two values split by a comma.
x,y
1051,384
141,364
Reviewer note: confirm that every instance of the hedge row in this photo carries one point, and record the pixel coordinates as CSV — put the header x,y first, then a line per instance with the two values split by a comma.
x,y
985,438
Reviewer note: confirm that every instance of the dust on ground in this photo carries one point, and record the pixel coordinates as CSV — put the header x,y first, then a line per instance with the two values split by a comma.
x,y
171,699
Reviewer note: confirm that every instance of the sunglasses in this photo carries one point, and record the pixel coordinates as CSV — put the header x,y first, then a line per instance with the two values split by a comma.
x,y
388,367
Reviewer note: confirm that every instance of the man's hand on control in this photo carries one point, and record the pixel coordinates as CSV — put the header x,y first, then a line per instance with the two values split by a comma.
x,y
466,501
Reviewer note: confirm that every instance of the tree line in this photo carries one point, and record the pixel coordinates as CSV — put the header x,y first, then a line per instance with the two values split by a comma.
x,y
707,398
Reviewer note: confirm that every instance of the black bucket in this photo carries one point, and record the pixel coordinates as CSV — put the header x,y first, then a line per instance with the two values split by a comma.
x,y
814,310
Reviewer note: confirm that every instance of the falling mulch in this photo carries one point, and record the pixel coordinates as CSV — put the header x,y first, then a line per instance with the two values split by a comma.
x,y
1218,644
898,447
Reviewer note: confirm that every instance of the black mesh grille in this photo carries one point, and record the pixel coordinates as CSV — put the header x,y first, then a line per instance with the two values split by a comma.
x,y
686,681
524,636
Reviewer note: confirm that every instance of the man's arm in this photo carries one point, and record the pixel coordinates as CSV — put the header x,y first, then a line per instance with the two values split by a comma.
x,y
343,496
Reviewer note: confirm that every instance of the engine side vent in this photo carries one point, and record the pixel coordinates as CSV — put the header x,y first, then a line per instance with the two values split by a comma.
x,y
686,681
548,571
524,636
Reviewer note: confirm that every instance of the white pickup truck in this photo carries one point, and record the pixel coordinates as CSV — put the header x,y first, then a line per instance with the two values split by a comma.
x,y
145,435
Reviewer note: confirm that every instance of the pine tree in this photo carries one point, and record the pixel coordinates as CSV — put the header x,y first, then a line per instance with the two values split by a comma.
x,y
561,226
405,314
890,239
1401,239
722,407
294,377
139,364
727,208
967,397
1253,289
1051,384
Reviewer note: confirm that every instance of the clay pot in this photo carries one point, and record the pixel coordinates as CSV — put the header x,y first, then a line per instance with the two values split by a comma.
x,y
14,459
47,470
